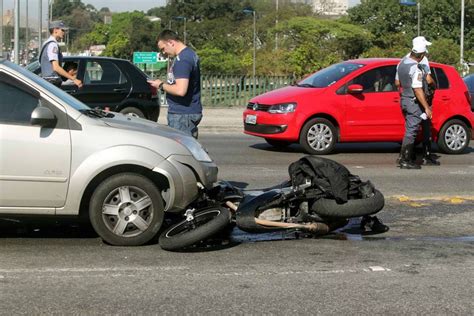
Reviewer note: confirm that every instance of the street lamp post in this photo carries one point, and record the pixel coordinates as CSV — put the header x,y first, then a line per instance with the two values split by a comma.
x,y
418,8
50,11
411,3
1,28
251,11
276,24
27,35
461,61
40,25
182,18
16,36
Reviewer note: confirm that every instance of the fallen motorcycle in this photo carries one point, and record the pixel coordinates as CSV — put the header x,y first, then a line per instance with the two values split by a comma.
x,y
320,197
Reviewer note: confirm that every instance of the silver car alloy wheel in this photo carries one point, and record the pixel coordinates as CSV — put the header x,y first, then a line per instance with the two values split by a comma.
x,y
319,137
133,115
455,137
127,211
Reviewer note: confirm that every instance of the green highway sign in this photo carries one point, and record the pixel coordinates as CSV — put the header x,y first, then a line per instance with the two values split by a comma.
x,y
145,57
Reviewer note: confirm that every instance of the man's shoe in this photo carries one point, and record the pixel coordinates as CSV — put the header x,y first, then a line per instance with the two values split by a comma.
x,y
406,161
373,225
430,161
404,164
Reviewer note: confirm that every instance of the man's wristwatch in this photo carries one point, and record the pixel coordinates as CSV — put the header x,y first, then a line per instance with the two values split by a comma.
x,y
160,86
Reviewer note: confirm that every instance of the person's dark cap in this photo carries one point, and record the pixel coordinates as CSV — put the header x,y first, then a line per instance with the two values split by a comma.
x,y
57,25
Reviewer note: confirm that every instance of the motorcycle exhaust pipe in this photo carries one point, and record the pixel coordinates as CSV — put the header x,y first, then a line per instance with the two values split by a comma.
x,y
231,205
314,227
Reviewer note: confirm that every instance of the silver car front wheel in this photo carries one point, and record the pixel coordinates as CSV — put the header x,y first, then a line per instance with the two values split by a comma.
x,y
126,210
318,136
454,137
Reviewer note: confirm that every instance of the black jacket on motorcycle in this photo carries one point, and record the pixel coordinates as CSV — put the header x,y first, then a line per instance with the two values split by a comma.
x,y
329,176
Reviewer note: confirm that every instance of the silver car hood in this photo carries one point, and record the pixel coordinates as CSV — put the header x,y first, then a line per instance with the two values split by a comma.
x,y
141,125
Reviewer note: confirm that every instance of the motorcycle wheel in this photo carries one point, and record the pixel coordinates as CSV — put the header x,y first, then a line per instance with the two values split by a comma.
x,y
206,223
352,208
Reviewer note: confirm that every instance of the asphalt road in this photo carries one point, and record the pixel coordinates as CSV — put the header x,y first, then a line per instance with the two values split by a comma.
x,y
423,265
252,163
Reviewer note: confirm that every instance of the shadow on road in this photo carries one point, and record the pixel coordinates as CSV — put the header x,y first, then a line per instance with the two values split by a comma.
x,y
346,148
31,228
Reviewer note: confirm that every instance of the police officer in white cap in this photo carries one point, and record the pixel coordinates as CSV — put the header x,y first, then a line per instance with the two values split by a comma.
x,y
413,101
51,57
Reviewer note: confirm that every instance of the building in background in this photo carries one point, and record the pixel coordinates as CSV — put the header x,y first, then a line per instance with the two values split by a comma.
x,y
327,7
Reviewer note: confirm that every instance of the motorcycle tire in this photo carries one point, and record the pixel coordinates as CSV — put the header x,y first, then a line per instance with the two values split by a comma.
x,y
352,208
207,222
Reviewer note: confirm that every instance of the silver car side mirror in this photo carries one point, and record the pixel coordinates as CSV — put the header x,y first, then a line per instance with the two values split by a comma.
x,y
43,117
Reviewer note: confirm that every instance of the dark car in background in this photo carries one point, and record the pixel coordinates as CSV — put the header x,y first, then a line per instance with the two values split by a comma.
x,y
111,84
469,81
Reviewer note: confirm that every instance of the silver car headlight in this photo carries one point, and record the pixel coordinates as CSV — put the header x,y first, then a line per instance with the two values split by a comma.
x,y
195,148
282,108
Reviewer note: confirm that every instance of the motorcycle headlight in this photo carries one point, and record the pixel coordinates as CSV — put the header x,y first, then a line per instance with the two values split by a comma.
x,y
282,108
195,148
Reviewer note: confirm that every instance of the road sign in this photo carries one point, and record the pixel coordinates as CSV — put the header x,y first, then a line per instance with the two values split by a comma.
x,y
408,2
145,57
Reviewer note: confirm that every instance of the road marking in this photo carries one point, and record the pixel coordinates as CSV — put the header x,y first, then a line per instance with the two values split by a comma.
x,y
91,270
74,273
378,269
448,199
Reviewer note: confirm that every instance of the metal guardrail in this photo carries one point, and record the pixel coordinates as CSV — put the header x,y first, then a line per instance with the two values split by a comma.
x,y
231,90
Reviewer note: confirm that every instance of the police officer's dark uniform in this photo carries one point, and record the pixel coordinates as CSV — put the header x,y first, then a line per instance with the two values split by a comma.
x,y
411,77
428,157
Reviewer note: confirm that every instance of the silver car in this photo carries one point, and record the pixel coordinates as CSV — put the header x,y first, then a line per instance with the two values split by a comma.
x,y
60,157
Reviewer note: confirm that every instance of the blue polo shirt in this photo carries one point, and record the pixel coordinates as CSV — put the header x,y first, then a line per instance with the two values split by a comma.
x,y
185,65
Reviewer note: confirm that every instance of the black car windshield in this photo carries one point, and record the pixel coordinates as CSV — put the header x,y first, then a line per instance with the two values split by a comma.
x,y
328,76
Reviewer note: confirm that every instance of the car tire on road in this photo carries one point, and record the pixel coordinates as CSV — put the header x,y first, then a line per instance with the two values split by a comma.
x,y
277,143
126,209
132,111
318,136
454,137
206,223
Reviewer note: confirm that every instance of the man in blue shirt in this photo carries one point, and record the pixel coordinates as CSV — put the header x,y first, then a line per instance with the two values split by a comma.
x,y
183,84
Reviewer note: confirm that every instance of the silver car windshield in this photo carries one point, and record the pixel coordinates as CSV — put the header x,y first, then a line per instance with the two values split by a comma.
x,y
329,76
73,102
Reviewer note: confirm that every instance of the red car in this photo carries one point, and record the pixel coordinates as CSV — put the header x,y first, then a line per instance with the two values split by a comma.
x,y
357,101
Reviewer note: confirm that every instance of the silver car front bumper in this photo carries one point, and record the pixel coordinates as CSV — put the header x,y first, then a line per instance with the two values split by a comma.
x,y
183,174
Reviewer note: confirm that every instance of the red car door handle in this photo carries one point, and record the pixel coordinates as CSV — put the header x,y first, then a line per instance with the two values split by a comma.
x,y
445,98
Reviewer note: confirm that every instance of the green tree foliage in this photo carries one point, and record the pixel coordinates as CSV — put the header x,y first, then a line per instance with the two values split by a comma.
x,y
216,61
79,17
312,44
222,33
440,23
127,33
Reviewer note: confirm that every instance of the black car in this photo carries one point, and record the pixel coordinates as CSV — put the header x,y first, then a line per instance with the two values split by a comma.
x,y
469,80
111,84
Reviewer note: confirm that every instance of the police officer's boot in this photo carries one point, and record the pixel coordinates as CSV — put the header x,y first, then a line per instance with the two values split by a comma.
x,y
428,158
406,159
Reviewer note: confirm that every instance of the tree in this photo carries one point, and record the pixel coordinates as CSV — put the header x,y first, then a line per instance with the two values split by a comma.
x,y
312,44
128,32
439,19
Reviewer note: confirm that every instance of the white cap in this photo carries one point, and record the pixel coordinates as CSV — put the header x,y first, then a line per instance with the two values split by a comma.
x,y
419,45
